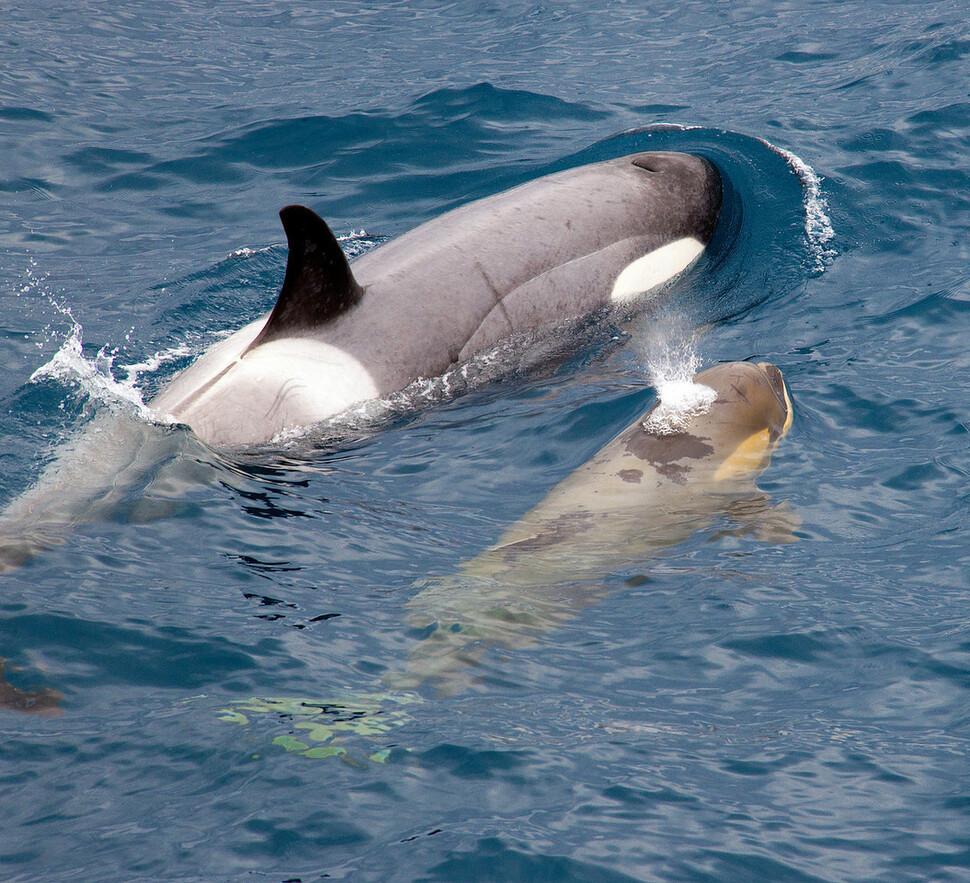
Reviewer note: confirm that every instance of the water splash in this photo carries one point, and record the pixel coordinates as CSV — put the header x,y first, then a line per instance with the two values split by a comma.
x,y
96,376
680,402
35,281
818,226
672,363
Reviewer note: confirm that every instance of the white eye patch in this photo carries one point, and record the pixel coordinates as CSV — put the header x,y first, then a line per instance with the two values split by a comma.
x,y
655,268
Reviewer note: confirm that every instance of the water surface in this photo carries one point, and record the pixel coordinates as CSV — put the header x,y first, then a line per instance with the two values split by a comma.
x,y
734,710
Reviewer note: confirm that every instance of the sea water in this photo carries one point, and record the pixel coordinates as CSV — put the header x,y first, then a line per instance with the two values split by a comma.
x,y
734,710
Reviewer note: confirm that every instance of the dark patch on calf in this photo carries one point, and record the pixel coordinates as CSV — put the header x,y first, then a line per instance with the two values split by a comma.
x,y
632,476
664,452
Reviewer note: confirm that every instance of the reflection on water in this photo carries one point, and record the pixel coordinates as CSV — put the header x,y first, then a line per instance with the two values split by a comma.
x,y
44,702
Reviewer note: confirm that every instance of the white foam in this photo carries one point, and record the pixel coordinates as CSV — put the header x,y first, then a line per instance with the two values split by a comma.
x,y
153,363
818,226
681,401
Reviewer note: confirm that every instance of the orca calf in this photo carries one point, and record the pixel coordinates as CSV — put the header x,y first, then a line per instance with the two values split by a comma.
x,y
690,460
547,251
669,474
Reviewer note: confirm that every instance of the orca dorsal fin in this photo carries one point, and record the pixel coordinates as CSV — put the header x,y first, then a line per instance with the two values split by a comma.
x,y
318,285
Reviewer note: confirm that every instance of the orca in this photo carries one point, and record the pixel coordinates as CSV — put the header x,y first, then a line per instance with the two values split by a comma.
x,y
552,249
548,251
672,472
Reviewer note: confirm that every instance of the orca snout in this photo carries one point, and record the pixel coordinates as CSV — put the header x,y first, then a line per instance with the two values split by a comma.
x,y
750,396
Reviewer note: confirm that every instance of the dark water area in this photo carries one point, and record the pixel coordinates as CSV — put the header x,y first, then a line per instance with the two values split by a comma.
x,y
735,709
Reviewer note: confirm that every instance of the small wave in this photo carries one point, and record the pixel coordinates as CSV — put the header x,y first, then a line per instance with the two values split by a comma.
x,y
818,226
247,252
96,376
358,242
354,243
662,127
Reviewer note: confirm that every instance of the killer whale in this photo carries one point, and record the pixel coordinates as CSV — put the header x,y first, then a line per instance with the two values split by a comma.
x,y
552,249
340,333
673,471
661,479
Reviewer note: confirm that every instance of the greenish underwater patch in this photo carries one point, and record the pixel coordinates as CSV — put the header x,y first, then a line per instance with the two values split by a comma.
x,y
318,727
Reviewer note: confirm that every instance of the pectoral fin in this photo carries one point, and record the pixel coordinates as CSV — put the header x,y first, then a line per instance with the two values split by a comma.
x,y
757,517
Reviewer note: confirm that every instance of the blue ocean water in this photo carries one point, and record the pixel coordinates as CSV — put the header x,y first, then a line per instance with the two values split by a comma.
x,y
734,710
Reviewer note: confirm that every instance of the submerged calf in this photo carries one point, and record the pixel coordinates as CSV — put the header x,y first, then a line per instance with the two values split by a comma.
x,y
677,469
672,472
